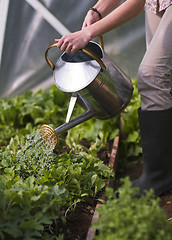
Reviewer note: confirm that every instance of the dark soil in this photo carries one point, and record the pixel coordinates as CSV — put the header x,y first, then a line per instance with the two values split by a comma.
x,y
80,220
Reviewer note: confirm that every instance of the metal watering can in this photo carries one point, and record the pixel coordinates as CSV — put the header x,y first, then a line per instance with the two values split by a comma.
x,y
93,81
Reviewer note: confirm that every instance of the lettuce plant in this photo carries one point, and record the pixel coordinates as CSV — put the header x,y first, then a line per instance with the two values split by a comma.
x,y
124,216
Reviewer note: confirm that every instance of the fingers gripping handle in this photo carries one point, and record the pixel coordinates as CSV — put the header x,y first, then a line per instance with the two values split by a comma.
x,y
85,50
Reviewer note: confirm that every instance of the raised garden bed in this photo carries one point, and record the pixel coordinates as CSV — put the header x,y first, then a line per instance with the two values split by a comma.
x,y
81,220
22,114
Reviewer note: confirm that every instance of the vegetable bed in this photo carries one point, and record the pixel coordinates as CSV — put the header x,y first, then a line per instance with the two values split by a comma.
x,y
42,191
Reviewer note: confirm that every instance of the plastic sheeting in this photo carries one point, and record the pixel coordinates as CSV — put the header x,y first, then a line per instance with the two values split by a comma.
x,y
28,35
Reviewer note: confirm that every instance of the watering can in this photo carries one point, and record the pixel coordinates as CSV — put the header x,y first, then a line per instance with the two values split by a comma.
x,y
92,80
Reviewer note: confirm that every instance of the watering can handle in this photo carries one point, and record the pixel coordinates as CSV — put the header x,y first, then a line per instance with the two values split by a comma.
x,y
85,50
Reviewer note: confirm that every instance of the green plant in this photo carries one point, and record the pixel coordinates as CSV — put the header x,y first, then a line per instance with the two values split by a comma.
x,y
124,216
131,143
28,210
19,115
130,150
38,186
98,132
33,179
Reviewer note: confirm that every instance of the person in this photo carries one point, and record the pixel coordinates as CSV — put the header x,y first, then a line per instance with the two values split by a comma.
x,y
154,79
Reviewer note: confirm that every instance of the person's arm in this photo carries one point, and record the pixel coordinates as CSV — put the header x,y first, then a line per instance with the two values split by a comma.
x,y
103,7
120,15
106,6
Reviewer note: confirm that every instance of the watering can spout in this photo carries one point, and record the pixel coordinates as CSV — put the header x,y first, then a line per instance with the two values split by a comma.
x,y
49,135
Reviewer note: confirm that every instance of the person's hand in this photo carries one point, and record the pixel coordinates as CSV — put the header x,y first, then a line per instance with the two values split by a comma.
x,y
72,42
90,18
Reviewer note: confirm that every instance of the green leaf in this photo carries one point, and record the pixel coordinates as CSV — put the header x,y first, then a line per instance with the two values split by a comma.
x,y
132,137
31,224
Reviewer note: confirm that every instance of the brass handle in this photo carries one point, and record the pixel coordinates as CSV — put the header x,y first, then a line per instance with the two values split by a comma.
x,y
85,50
47,57
101,42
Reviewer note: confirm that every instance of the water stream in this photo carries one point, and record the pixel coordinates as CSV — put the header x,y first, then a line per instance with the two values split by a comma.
x,y
34,156
71,107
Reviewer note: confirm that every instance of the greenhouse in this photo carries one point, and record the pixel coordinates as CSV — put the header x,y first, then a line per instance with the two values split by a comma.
x,y
70,143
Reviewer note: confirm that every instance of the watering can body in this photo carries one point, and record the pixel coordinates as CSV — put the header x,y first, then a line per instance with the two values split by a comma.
x,y
110,91
95,79
99,86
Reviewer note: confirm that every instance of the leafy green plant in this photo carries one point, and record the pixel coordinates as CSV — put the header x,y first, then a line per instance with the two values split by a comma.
x,y
19,115
28,210
125,217
38,186
131,142
130,150
98,132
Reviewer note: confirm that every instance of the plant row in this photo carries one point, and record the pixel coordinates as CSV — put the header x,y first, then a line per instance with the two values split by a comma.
x,y
39,187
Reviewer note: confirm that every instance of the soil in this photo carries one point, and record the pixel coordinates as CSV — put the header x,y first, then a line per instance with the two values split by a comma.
x,y
79,221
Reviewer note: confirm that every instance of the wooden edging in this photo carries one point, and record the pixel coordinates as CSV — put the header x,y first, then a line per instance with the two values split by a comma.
x,y
112,162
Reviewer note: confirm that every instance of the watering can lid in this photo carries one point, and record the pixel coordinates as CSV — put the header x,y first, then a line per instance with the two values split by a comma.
x,y
75,71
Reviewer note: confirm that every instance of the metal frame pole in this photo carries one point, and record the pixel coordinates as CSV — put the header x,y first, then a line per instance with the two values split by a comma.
x,y
48,16
4,4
